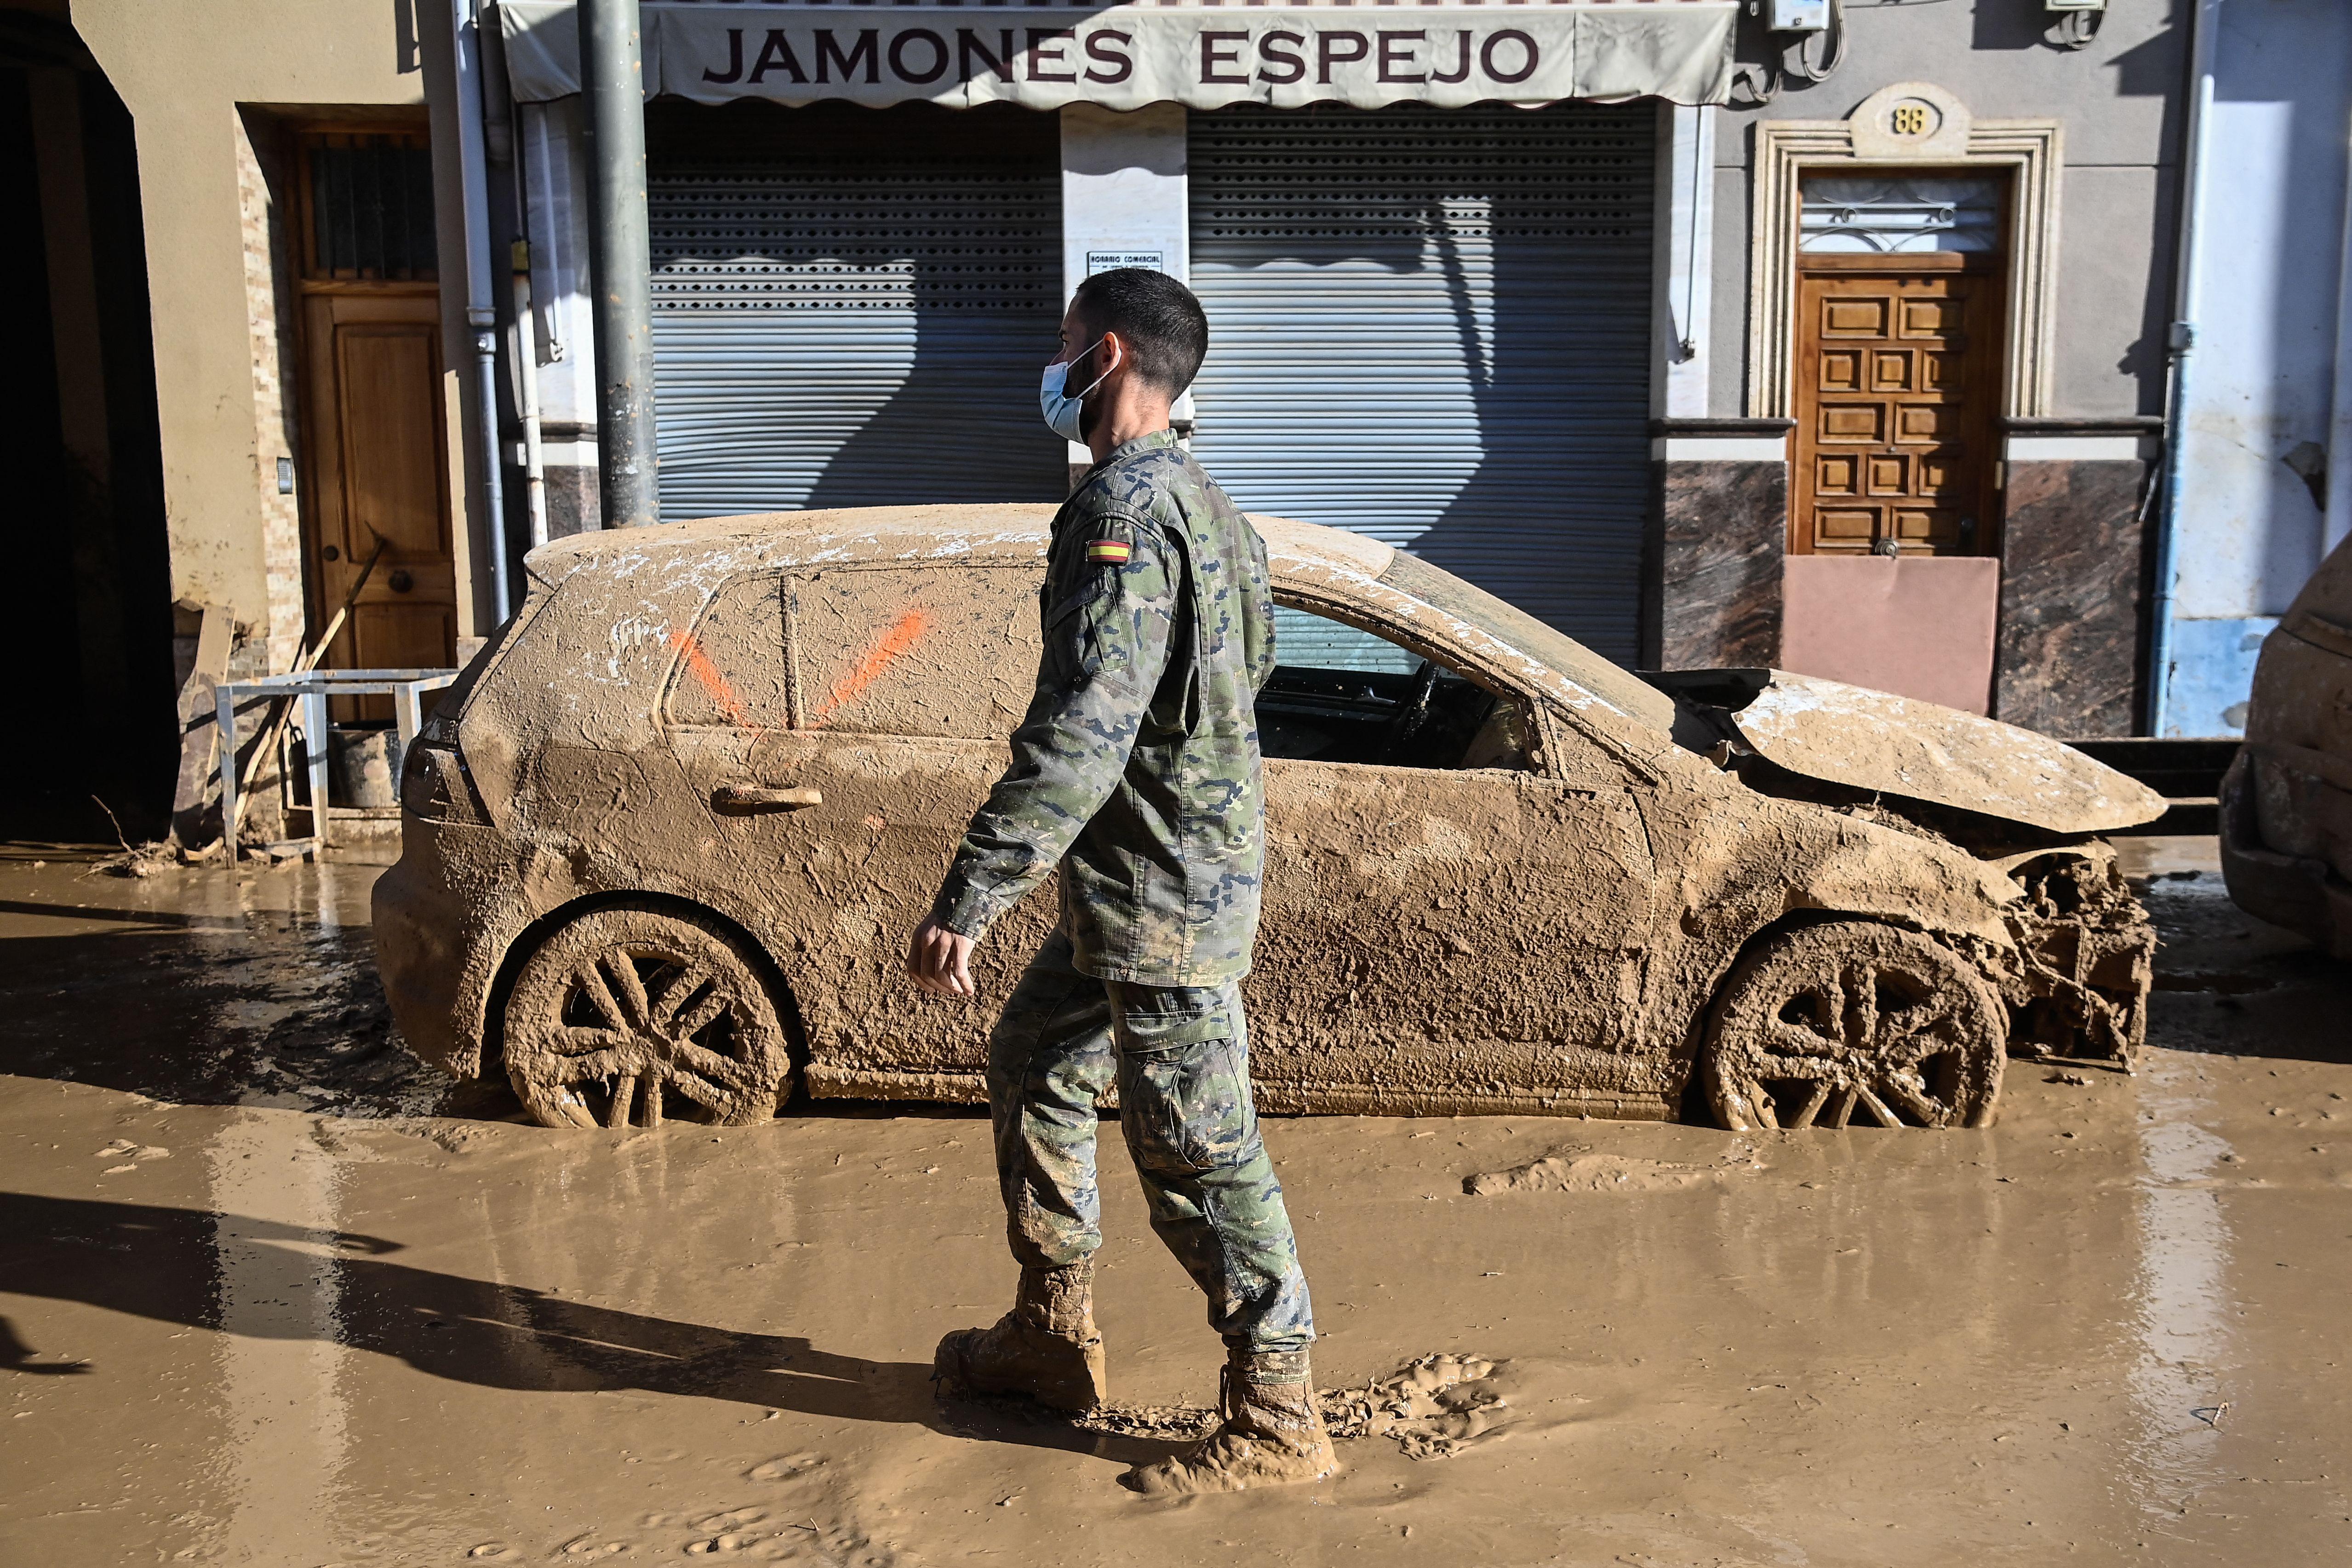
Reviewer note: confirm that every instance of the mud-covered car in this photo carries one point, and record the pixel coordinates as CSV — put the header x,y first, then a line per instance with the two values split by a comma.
x,y
2286,801
663,842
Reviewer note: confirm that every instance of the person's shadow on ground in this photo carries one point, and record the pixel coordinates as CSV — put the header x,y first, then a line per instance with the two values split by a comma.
x,y
161,1262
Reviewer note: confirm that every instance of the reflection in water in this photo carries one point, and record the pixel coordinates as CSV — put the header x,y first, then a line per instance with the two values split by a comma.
x,y
281,1352
276,1199
2184,1300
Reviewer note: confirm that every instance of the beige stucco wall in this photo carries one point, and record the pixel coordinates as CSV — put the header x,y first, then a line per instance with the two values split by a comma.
x,y
185,70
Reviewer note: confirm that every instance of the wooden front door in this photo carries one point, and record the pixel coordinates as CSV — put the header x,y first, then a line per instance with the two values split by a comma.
x,y
375,452
379,471
1898,363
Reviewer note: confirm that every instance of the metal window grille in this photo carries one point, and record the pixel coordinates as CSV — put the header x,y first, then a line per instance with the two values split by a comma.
x,y
370,206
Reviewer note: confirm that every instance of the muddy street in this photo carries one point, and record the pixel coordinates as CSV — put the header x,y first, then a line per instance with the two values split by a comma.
x,y
274,1294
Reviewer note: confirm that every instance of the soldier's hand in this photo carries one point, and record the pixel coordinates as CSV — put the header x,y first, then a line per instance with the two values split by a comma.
x,y
940,961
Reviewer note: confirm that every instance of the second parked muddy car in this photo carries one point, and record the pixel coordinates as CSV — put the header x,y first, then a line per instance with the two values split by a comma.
x,y
664,842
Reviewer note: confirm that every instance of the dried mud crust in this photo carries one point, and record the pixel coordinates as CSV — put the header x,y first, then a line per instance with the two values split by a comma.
x,y
628,1017
1826,1022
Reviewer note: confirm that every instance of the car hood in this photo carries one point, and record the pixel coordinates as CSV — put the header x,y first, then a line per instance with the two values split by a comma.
x,y
1893,745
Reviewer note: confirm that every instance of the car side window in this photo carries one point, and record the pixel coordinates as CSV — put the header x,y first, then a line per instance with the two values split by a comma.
x,y
731,667
948,652
1342,694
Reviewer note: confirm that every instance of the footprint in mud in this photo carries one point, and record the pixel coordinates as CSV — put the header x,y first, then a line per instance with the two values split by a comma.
x,y
1572,1170
1431,1408
785,1467
835,1544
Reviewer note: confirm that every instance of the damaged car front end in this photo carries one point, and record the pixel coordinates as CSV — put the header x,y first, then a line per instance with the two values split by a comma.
x,y
2076,971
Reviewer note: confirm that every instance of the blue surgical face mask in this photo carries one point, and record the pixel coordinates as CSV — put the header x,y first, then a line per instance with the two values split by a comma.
x,y
1064,412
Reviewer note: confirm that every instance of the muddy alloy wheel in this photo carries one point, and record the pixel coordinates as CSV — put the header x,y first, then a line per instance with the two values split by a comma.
x,y
1826,1022
625,1016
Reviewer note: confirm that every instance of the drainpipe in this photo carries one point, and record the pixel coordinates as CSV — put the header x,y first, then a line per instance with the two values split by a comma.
x,y
534,456
522,355
481,312
620,261
2181,340
2337,525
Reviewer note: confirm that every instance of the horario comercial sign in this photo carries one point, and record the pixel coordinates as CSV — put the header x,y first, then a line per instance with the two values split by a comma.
x,y
1124,56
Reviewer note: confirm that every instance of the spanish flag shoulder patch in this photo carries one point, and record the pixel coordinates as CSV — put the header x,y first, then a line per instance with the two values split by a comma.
x,y
1111,549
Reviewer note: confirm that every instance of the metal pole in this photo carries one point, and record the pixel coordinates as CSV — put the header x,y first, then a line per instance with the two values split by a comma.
x,y
534,460
620,261
2182,342
481,310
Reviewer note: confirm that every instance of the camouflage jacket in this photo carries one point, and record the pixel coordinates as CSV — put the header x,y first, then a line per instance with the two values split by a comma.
x,y
1136,770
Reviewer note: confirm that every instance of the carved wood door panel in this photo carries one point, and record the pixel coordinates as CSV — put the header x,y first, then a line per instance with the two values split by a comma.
x,y
1897,392
380,467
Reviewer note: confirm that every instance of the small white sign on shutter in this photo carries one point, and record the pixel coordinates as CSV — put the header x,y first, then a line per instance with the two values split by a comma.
x,y
1112,260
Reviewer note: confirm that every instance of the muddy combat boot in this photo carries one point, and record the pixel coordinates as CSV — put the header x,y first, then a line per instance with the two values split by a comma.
x,y
1272,1435
1046,1348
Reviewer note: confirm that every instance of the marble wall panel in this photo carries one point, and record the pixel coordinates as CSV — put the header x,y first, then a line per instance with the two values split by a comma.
x,y
1723,527
2074,598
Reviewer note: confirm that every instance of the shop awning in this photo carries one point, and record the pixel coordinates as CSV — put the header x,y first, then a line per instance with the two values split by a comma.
x,y
1126,55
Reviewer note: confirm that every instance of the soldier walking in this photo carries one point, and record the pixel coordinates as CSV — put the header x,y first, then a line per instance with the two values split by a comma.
x,y
1135,772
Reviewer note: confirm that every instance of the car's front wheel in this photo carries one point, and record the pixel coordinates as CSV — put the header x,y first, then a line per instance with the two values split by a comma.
x,y
631,1016
1826,1022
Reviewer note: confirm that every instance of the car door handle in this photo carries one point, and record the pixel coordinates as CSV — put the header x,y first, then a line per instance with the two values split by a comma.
x,y
759,797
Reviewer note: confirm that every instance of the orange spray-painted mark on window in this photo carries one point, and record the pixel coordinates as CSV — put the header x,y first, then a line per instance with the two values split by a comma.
x,y
705,675
870,664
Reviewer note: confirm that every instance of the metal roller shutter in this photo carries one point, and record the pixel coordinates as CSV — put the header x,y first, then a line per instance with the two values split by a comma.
x,y
858,331
1433,327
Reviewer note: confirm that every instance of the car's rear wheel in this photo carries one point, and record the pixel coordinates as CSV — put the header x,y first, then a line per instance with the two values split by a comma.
x,y
629,1017
1826,1024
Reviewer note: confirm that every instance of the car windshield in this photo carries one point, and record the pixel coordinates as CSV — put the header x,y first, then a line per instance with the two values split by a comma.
x,y
1442,591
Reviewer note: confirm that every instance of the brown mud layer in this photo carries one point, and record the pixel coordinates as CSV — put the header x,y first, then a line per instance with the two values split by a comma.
x,y
270,1296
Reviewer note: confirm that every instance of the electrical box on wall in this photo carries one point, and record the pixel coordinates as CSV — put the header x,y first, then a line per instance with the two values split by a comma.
x,y
1798,16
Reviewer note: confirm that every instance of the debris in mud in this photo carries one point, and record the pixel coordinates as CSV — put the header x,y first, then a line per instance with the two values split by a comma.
x,y
2088,950
2077,1080
1573,1172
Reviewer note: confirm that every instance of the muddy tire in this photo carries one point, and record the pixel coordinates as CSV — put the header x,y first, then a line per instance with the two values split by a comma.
x,y
629,1017
1825,1024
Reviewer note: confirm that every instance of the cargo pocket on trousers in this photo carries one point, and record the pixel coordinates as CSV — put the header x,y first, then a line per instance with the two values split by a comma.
x,y
1186,1106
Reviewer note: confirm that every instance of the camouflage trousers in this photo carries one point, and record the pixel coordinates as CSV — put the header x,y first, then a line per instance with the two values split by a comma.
x,y
1179,1055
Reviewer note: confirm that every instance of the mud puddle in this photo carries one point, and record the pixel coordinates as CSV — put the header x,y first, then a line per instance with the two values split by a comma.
x,y
311,1320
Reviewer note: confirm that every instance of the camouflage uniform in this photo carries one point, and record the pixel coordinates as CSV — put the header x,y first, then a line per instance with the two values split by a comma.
x,y
1137,772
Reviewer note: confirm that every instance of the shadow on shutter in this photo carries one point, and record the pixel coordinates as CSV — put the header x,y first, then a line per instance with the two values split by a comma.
x,y
853,319
1433,328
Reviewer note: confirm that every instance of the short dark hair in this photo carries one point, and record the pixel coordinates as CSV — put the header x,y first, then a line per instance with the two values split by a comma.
x,y
1159,318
